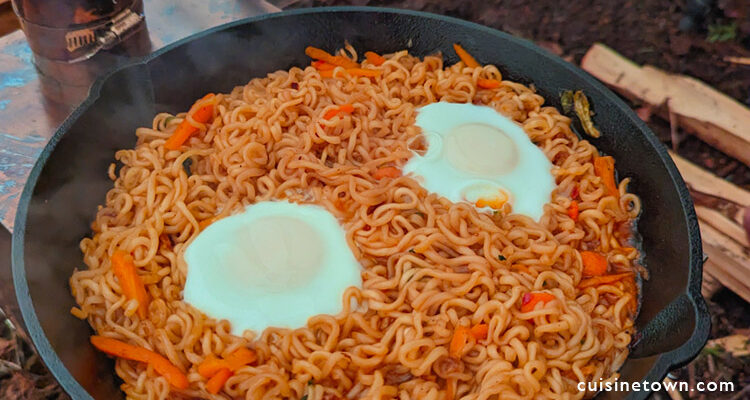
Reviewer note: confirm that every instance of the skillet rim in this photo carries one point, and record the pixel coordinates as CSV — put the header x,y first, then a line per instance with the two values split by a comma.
x,y
658,370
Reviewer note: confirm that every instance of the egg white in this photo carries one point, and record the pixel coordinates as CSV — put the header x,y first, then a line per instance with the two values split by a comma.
x,y
275,265
475,153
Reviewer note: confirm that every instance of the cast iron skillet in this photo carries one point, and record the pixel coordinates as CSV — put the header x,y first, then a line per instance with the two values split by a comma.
x,y
69,180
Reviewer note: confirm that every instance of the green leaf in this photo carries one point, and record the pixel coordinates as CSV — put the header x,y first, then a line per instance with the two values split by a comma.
x,y
501,257
304,397
311,382
583,111
566,100
714,351
412,251
722,33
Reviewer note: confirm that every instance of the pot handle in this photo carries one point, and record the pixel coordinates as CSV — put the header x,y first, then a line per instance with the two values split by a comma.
x,y
680,330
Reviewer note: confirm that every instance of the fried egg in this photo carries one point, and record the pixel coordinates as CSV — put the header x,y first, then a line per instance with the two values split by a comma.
x,y
274,265
477,155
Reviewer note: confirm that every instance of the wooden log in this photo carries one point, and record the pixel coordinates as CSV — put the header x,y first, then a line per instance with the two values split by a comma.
x,y
727,261
699,179
724,239
714,117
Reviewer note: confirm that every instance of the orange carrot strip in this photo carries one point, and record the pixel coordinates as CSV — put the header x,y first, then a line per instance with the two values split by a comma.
x,y
531,299
211,365
594,264
131,284
386,172
459,340
464,55
239,358
480,331
374,58
234,361
185,129
604,167
372,73
346,108
217,381
573,210
319,54
117,348
488,83
322,65
604,279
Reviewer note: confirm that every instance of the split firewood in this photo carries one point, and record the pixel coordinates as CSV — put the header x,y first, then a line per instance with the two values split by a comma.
x,y
714,117
737,345
720,206
737,60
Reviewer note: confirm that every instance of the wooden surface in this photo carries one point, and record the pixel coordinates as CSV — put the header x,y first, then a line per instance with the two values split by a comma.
x,y
29,120
725,241
714,117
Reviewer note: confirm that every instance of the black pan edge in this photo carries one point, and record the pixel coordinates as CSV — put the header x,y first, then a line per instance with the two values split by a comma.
x,y
665,361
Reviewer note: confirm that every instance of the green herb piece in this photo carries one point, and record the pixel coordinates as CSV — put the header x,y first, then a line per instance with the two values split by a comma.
x,y
304,397
501,257
722,33
714,351
412,251
421,214
544,284
168,120
311,382
566,100
583,111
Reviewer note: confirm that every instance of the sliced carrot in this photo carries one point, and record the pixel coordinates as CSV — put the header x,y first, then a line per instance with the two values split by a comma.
x,y
322,55
488,83
602,280
117,348
386,172
217,381
459,340
464,55
530,300
239,358
346,109
211,365
185,129
372,73
604,167
573,210
234,361
594,264
322,65
131,284
480,331
374,58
